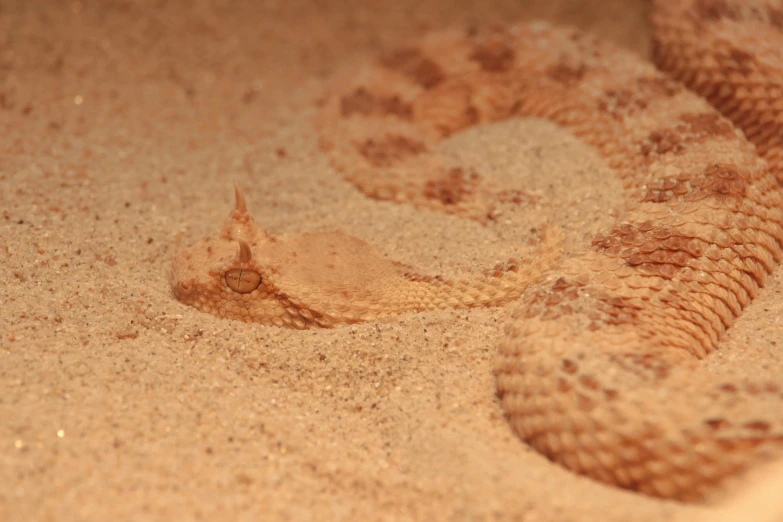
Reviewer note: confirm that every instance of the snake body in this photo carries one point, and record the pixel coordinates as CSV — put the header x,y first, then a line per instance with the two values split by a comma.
x,y
599,367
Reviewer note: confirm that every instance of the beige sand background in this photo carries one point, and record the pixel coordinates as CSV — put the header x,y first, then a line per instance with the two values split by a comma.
x,y
123,125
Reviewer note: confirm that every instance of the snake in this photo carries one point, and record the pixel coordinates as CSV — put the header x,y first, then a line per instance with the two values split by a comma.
x,y
600,364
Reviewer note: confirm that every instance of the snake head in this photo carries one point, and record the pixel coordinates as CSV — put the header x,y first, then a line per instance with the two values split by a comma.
x,y
296,281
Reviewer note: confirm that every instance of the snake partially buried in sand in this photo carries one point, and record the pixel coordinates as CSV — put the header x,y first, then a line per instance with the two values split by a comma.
x,y
639,306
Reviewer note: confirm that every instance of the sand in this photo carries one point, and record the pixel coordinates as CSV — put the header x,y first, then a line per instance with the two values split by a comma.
x,y
124,126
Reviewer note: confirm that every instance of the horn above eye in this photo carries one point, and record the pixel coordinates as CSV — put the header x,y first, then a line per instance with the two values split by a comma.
x,y
240,206
245,254
242,281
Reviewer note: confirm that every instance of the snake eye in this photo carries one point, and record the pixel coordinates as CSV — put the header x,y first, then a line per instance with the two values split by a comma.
x,y
242,281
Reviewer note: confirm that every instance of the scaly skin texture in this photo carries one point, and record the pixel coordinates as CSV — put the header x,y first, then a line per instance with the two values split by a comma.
x,y
599,369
